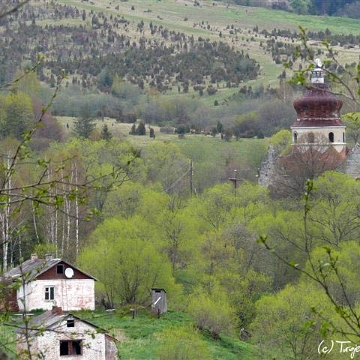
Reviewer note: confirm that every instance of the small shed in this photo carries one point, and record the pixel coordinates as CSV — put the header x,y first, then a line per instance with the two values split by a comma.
x,y
158,301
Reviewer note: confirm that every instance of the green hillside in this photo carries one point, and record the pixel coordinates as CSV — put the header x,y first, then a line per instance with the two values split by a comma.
x,y
139,58
145,337
184,16
245,29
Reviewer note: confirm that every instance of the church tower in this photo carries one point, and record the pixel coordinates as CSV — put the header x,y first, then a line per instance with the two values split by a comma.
x,y
318,122
318,141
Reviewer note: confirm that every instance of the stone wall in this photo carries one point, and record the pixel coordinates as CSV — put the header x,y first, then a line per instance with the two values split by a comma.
x,y
267,174
267,169
352,164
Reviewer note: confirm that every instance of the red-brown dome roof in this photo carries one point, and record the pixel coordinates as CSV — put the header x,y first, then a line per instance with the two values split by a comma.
x,y
318,105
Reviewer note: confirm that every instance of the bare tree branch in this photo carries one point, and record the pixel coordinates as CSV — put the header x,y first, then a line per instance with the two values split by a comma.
x,y
14,9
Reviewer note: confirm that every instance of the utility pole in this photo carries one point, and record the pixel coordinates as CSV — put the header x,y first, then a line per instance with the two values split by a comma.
x,y
234,180
191,177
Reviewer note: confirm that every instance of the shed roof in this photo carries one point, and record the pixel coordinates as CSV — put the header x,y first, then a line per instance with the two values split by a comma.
x,y
51,319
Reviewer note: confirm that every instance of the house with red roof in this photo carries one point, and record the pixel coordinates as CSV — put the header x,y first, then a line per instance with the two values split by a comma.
x,y
48,282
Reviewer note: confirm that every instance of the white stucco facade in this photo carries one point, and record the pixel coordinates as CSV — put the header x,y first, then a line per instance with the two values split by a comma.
x,y
69,294
329,136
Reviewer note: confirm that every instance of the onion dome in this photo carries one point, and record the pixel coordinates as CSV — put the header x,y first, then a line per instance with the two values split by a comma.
x,y
318,107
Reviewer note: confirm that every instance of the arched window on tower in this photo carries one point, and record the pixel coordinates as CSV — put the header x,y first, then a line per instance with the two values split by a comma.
x,y
331,137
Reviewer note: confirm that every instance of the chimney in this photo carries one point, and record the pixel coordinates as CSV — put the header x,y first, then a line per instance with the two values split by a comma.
x,y
34,256
56,310
48,257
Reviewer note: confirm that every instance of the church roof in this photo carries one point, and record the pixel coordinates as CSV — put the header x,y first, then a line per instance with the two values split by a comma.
x,y
318,107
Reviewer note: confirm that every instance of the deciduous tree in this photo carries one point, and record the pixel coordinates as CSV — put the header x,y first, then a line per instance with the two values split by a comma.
x,y
212,313
18,116
297,333
352,122
127,263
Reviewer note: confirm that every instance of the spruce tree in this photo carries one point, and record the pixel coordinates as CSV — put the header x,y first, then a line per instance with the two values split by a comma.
x,y
105,133
85,124
141,130
133,130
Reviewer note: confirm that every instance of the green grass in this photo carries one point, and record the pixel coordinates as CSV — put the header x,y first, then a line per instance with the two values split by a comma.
x,y
173,13
140,337
9,322
202,148
206,152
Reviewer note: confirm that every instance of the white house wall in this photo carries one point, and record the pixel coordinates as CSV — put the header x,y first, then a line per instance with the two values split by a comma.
x,y
93,348
70,295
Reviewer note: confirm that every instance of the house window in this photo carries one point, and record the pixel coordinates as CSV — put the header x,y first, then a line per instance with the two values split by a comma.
x,y
70,347
331,137
70,323
49,292
60,269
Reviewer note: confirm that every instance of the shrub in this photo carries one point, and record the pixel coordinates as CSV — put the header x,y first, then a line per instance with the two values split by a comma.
x,y
212,314
167,130
182,343
141,130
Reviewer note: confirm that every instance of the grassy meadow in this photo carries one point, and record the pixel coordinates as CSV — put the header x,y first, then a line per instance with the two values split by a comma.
x,y
172,13
207,153
142,338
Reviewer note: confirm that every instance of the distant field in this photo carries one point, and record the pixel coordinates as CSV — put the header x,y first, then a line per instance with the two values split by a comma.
x,y
212,157
171,13
117,129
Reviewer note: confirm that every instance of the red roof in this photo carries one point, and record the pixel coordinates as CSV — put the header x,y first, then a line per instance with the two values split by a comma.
x,y
318,107
35,267
317,122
